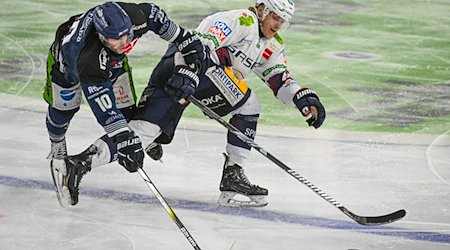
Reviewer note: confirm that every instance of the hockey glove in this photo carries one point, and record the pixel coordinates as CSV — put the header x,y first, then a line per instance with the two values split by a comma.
x,y
194,52
182,84
310,106
129,151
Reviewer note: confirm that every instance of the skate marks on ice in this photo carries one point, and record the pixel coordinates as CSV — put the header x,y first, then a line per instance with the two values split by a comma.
x,y
260,214
349,170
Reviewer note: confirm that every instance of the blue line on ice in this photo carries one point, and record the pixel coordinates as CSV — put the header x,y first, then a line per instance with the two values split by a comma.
x,y
261,214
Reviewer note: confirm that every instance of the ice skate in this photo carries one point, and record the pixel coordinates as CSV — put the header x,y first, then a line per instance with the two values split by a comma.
x,y
155,151
58,149
68,173
234,182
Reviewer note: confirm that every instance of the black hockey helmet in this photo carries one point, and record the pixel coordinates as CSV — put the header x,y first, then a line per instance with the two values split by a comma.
x,y
111,21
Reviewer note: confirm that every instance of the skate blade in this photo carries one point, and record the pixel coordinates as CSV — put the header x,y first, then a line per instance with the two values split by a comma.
x,y
58,170
227,199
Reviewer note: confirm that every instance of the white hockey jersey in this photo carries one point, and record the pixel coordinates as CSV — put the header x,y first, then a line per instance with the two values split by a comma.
x,y
238,30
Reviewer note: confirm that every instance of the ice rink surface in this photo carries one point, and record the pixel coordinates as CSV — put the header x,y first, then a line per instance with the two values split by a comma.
x,y
369,173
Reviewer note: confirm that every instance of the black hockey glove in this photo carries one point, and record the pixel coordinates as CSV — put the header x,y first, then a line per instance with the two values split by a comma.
x,y
129,151
310,106
182,84
194,52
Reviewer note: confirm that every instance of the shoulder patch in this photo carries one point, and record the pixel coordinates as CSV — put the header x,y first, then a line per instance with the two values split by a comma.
x,y
278,38
246,20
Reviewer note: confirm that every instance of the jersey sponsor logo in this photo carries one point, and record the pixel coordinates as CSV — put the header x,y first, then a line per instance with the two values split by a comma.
x,y
232,88
103,59
157,15
250,132
114,118
278,39
67,95
87,20
267,54
117,64
66,98
275,48
121,95
246,61
233,91
271,69
94,89
210,37
246,20
221,30
140,26
212,100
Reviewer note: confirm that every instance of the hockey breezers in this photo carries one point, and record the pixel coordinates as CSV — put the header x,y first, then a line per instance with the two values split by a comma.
x,y
363,220
168,209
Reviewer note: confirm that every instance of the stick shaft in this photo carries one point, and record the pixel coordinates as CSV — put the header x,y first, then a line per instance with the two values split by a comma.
x,y
364,220
168,209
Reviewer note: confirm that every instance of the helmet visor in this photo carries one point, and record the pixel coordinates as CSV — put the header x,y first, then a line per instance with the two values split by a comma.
x,y
122,45
283,24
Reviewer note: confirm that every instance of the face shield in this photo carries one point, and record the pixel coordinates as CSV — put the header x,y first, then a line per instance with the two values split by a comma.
x,y
276,18
123,44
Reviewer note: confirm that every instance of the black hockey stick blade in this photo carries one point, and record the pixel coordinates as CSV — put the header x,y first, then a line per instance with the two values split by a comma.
x,y
363,220
375,220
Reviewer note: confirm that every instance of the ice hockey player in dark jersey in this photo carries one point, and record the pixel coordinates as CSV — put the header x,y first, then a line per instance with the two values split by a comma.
x,y
88,56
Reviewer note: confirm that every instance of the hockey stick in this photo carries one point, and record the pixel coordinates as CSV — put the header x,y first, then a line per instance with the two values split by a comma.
x,y
168,209
363,220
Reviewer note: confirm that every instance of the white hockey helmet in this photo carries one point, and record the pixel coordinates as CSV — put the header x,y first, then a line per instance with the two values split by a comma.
x,y
283,8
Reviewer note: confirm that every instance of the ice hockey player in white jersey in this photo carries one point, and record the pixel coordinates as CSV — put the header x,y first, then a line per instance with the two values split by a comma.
x,y
240,42
247,41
